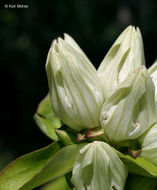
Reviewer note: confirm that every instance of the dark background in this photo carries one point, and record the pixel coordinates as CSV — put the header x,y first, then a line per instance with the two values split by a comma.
x,y
25,38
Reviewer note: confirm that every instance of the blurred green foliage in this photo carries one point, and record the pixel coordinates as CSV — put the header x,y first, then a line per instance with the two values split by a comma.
x,y
25,38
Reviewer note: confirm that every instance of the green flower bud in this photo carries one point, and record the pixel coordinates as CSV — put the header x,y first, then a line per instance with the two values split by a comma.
x,y
75,89
149,145
98,167
124,57
130,110
153,74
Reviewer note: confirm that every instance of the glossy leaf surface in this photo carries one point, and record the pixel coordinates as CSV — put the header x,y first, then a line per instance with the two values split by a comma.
x,y
46,119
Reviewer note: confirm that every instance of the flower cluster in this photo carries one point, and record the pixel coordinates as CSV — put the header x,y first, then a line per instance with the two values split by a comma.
x,y
119,98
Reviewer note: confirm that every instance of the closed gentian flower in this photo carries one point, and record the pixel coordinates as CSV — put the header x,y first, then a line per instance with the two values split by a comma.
x,y
149,145
98,167
130,110
75,89
153,74
124,57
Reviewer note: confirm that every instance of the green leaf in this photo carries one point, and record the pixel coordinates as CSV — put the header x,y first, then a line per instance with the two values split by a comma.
x,y
59,165
140,182
46,119
39,167
138,165
23,169
57,184
66,137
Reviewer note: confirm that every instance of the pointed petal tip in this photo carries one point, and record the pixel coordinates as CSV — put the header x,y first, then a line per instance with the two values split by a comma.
x,y
133,28
66,36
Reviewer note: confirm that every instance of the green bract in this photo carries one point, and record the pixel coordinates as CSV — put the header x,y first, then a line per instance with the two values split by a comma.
x,y
124,57
153,74
98,167
130,110
149,145
75,90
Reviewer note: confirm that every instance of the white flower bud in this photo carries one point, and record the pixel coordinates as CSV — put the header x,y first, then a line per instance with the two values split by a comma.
x,y
124,57
153,74
130,110
98,167
149,145
75,89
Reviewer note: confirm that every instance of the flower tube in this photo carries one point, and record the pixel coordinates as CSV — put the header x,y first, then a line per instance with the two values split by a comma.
x,y
131,109
75,89
153,74
124,57
149,145
98,167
